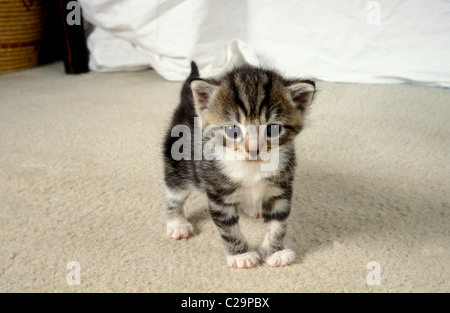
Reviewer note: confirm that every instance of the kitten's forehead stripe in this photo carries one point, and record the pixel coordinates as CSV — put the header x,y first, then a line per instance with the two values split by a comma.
x,y
253,88
236,93
266,100
244,89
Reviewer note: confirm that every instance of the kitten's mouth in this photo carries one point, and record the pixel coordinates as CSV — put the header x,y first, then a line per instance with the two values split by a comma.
x,y
255,161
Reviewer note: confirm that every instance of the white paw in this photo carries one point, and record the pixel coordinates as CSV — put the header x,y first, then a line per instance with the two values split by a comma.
x,y
253,211
281,258
179,229
244,260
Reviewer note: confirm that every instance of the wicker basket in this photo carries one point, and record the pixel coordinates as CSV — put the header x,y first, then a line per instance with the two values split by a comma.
x,y
22,25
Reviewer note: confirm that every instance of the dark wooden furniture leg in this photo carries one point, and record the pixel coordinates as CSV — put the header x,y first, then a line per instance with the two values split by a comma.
x,y
75,51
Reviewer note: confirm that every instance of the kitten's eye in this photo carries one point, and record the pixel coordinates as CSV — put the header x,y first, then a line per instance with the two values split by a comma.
x,y
273,131
233,132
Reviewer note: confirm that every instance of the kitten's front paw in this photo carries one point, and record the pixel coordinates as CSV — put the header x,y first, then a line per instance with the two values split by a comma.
x,y
179,229
244,260
281,258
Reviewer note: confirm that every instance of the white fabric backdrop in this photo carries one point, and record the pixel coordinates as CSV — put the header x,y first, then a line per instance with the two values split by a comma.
x,y
385,41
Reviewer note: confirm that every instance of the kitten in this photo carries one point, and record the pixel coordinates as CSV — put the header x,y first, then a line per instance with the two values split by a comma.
x,y
246,98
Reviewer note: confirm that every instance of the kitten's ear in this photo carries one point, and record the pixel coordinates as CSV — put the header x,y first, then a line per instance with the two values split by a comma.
x,y
203,93
302,93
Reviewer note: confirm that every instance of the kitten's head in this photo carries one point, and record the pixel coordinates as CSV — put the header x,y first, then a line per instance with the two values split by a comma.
x,y
256,109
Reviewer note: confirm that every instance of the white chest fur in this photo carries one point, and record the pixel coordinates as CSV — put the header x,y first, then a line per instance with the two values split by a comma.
x,y
254,187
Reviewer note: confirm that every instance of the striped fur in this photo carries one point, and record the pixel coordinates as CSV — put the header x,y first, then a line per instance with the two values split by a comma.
x,y
244,98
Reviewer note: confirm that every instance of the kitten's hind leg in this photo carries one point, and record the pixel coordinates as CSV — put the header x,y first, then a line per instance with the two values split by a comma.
x,y
177,225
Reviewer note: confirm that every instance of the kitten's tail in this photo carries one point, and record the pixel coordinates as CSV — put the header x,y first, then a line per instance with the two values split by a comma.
x,y
186,93
194,71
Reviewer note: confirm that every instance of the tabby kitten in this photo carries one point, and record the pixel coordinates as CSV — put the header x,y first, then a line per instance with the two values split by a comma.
x,y
246,98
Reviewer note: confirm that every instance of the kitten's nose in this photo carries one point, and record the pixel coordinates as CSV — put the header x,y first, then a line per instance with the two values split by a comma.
x,y
253,153
251,145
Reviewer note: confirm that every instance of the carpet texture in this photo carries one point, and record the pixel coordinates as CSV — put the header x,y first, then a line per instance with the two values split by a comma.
x,y
81,180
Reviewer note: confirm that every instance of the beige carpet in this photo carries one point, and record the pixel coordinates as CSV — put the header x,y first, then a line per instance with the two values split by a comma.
x,y
81,180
